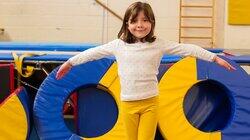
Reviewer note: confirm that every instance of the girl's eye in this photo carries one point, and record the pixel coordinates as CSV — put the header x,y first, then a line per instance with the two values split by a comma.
x,y
133,21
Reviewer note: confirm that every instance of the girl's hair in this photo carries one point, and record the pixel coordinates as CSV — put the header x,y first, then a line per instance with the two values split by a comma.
x,y
132,12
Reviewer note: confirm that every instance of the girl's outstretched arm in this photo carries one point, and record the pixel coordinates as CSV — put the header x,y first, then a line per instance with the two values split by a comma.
x,y
196,51
95,53
63,70
223,63
86,56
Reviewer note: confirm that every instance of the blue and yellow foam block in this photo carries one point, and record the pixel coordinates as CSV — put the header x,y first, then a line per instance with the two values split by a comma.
x,y
181,77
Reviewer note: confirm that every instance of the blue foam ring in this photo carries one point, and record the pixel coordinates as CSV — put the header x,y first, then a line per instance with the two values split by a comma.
x,y
53,93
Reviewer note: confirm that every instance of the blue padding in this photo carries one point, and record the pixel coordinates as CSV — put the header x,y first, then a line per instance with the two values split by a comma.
x,y
240,59
23,97
46,46
170,58
52,94
63,57
47,57
238,83
97,112
208,106
216,50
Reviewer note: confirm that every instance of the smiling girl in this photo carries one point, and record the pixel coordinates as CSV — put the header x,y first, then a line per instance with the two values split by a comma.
x,y
138,53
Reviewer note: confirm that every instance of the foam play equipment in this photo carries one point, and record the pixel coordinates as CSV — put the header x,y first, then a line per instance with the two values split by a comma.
x,y
15,116
53,93
200,100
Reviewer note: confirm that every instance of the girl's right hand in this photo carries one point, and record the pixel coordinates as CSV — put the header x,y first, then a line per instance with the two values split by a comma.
x,y
63,70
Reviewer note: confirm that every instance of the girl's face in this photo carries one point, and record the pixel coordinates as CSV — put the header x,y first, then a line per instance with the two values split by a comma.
x,y
140,26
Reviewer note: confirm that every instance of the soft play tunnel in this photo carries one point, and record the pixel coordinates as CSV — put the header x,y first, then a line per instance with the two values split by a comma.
x,y
214,100
53,93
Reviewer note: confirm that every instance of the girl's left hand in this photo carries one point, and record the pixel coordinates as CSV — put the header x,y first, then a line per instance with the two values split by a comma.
x,y
223,63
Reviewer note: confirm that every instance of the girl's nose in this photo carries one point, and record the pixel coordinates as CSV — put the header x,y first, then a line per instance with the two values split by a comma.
x,y
139,24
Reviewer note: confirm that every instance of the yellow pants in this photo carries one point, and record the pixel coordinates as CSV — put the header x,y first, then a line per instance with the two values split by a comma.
x,y
140,118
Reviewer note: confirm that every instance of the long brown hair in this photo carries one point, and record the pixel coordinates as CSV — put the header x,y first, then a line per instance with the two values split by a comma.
x,y
133,11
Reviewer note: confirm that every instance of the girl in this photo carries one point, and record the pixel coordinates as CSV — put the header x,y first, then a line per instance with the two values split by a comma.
x,y
138,54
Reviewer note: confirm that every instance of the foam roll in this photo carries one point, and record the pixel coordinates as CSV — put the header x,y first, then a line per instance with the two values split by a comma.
x,y
53,93
15,116
181,78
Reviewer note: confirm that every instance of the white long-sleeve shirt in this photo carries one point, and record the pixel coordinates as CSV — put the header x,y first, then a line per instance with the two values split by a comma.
x,y
138,63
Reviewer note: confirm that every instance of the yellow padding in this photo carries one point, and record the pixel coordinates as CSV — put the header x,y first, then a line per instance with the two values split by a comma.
x,y
238,12
19,63
173,87
13,120
111,81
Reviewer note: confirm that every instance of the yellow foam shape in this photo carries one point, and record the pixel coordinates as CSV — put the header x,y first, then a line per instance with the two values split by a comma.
x,y
13,120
